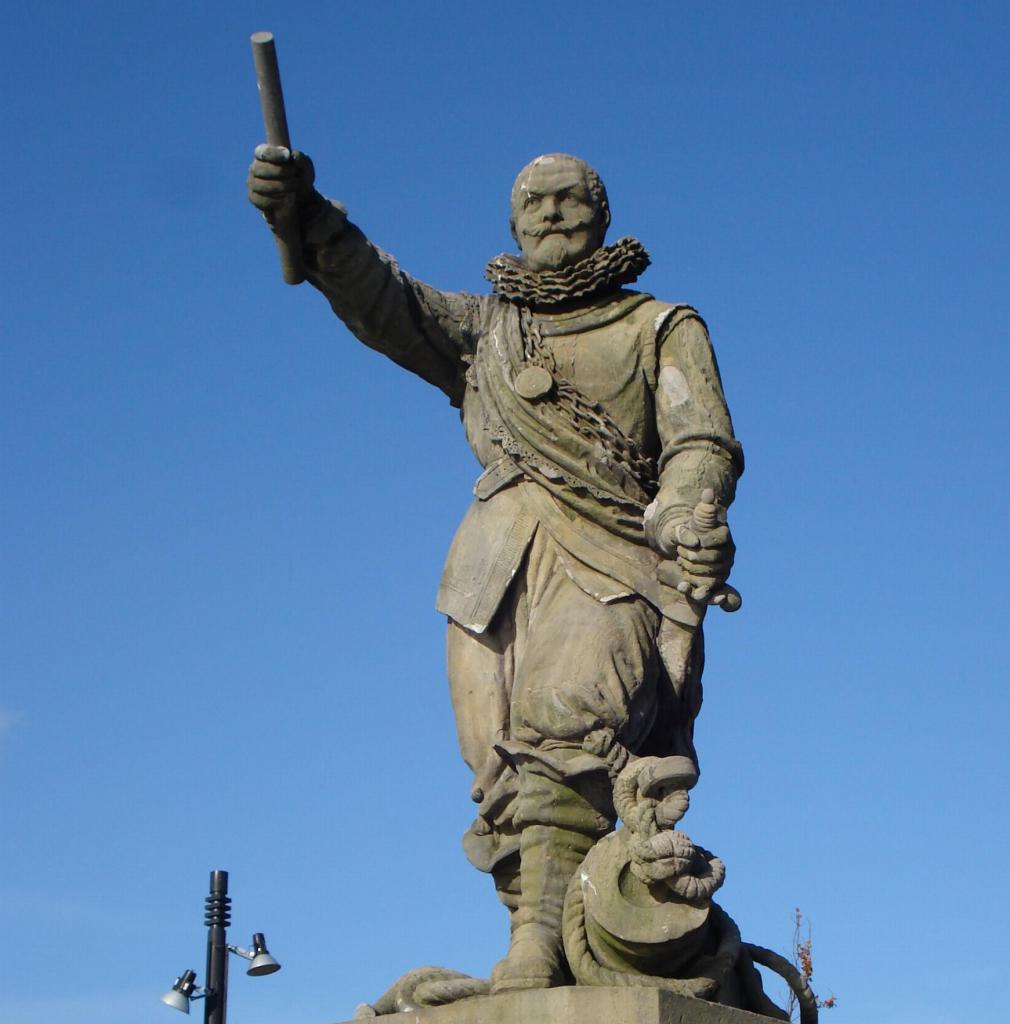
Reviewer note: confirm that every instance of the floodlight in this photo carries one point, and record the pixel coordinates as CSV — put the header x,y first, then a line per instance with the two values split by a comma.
x,y
179,995
262,962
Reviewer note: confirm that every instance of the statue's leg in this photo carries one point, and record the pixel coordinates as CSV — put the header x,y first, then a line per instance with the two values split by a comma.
x,y
480,684
549,857
581,666
584,666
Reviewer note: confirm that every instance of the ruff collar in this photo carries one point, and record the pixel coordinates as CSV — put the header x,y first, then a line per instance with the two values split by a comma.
x,y
609,268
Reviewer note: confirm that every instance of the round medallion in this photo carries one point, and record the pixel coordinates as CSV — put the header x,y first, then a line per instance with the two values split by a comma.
x,y
533,382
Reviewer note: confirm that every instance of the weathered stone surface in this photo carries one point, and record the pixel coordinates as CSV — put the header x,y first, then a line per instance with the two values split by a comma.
x,y
583,1006
575,590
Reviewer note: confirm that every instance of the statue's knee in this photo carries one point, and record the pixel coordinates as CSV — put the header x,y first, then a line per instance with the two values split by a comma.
x,y
584,803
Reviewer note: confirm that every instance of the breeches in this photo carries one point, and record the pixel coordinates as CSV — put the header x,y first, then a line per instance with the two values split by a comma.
x,y
554,666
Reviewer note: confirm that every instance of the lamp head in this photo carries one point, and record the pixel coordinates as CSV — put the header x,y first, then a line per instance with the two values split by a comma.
x,y
262,962
179,995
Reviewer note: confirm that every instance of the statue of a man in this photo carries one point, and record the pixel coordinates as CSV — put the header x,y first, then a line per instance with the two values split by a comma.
x,y
576,584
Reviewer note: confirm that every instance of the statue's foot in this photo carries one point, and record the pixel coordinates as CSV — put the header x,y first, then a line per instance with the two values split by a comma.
x,y
533,961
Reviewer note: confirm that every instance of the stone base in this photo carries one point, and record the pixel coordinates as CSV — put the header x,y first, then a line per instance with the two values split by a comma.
x,y
582,1005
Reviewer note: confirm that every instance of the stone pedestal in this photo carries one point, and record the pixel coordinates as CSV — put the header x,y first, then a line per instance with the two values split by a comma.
x,y
586,1005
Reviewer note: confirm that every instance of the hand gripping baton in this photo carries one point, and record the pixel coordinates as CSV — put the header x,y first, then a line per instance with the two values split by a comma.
x,y
268,81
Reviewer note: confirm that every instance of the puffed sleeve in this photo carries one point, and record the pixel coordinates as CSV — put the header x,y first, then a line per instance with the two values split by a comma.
x,y
699,449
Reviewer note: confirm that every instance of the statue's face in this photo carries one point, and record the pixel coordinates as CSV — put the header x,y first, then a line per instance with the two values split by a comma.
x,y
557,221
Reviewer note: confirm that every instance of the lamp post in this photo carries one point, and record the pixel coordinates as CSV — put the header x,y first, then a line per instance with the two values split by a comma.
x,y
215,992
218,917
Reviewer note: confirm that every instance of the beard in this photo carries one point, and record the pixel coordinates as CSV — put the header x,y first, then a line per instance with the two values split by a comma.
x,y
553,251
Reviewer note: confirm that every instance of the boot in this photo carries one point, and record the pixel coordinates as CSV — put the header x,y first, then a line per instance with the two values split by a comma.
x,y
506,883
549,856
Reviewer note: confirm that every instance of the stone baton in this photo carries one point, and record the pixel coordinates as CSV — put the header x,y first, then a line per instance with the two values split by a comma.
x,y
275,121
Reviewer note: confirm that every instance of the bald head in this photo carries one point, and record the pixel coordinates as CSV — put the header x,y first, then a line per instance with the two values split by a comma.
x,y
560,212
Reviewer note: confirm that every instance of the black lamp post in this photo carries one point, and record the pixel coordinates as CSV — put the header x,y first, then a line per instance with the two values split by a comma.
x,y
218,917
215,992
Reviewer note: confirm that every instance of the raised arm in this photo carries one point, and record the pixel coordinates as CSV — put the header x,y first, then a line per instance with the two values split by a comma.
x,y
425,330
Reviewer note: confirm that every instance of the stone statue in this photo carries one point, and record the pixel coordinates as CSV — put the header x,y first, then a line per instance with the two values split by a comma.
x,y
576,585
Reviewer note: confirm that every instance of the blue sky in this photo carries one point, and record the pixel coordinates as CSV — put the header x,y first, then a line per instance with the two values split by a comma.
x,y
223,520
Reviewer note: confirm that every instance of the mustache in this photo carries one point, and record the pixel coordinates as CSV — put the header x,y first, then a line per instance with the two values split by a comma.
x,y
558,229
